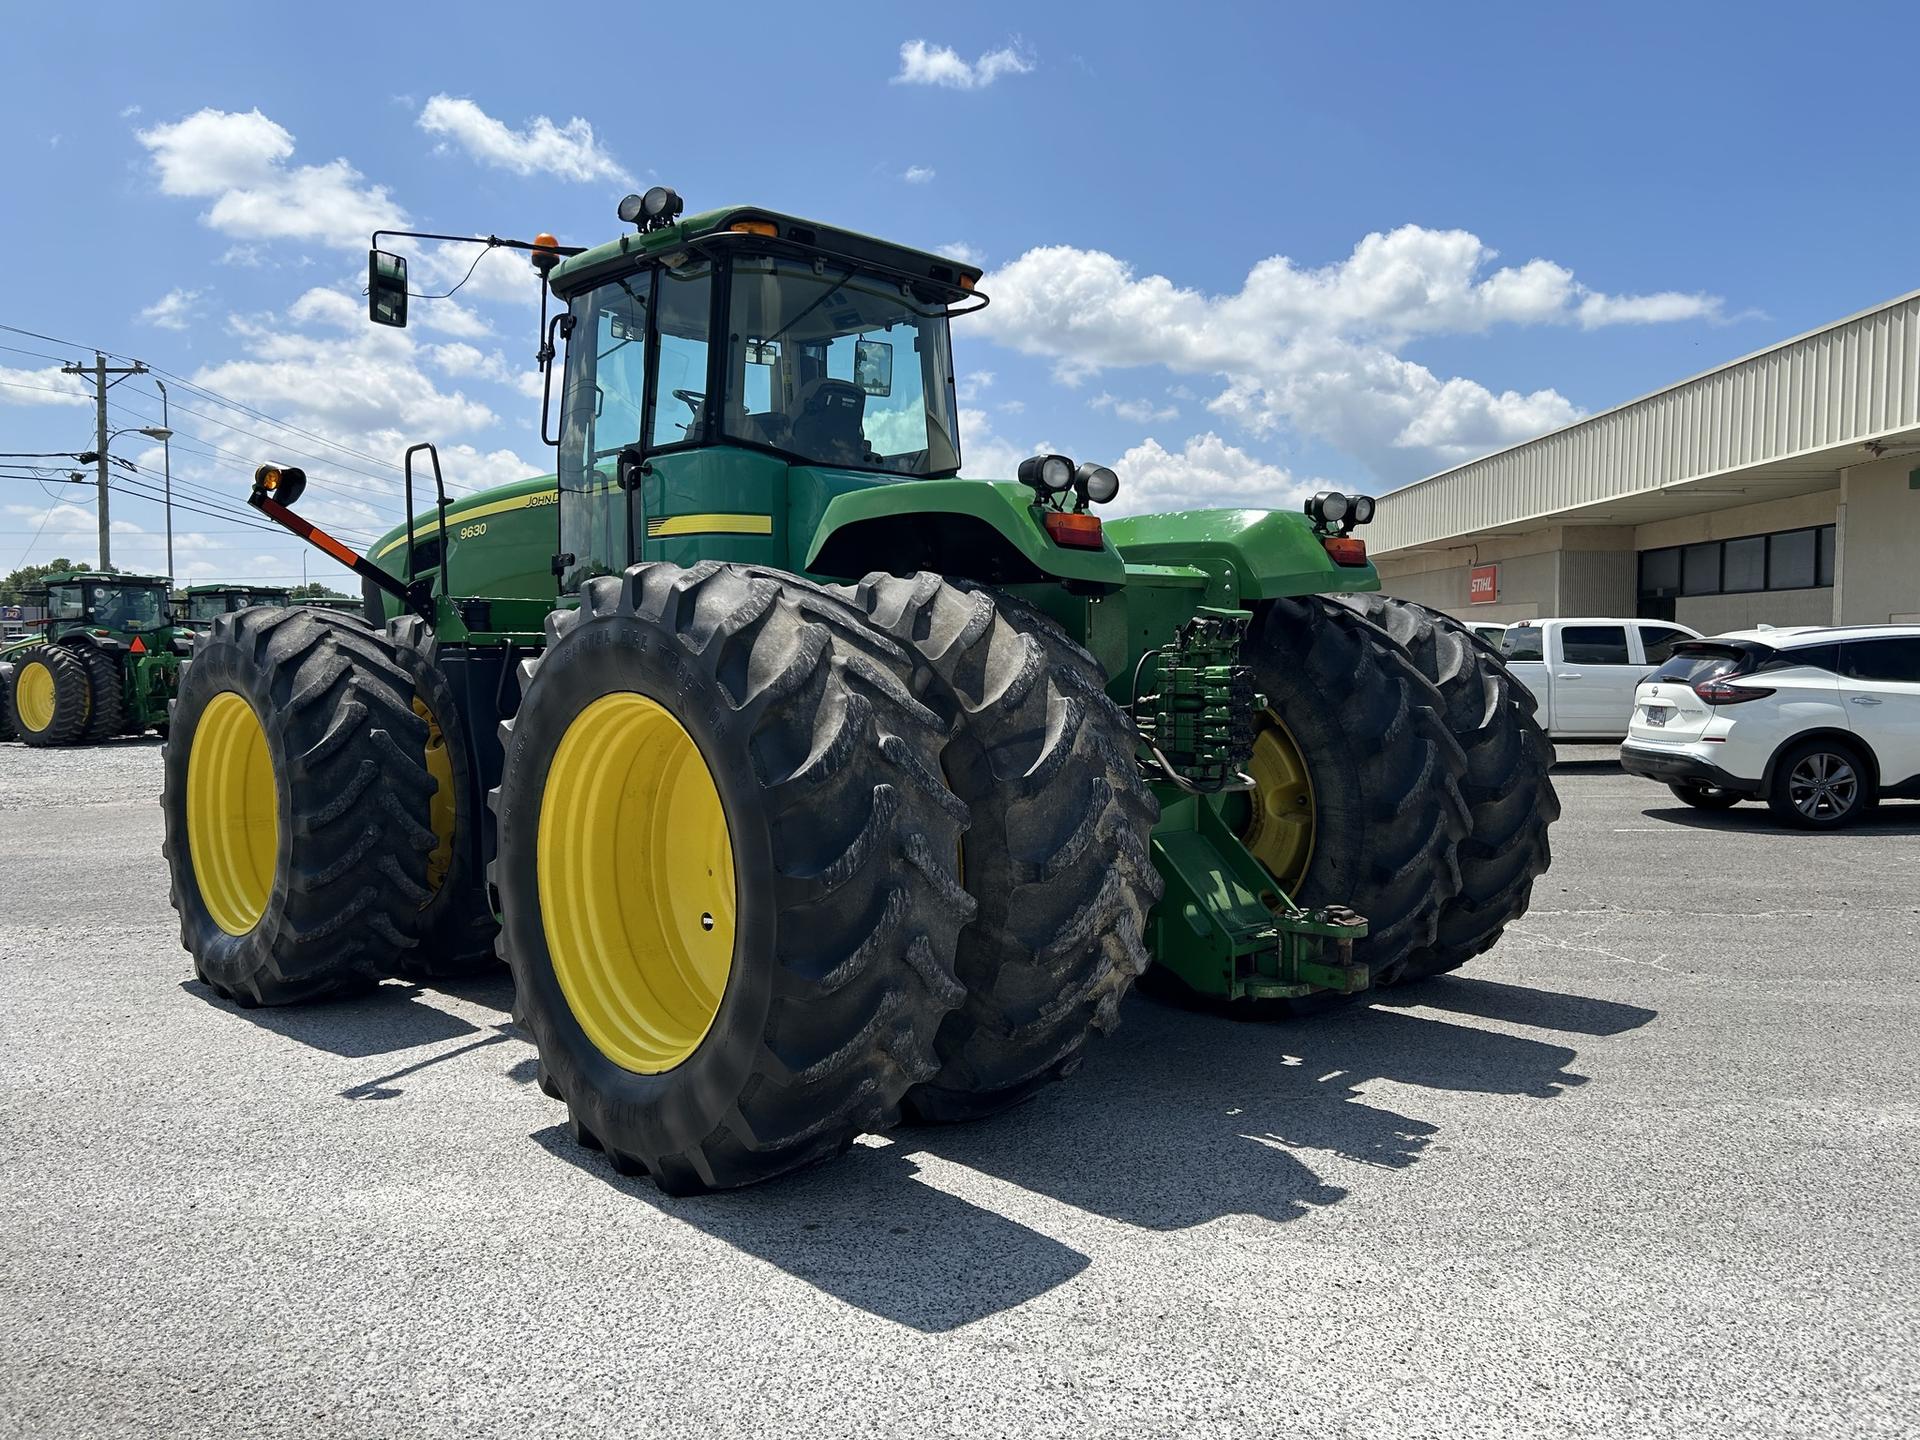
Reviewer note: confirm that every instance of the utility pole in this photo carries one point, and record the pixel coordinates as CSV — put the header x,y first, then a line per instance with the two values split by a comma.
x,y
100,370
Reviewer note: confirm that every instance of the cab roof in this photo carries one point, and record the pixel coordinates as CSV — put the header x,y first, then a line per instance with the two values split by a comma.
x,y
67,577
233,587
579,270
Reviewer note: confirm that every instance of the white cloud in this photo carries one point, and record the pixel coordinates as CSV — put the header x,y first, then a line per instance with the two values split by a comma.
x,y
42,387
971,384
1207,473
1314,348
985,455
1141,412
368,388
566,152
959,250
172,310
924,64
240,163
918,174
129,111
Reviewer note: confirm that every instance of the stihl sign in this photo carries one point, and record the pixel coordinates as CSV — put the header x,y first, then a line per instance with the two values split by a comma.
x,y
1483,584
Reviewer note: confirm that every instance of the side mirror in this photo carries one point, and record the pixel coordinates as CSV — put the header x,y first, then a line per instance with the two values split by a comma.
x,y
386,289
873,366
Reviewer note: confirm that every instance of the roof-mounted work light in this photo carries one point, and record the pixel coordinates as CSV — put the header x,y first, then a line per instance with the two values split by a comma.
x,y
657,207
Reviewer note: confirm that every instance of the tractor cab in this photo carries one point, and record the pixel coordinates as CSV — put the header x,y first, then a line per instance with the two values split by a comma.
x,y
819,358
199,605
105,604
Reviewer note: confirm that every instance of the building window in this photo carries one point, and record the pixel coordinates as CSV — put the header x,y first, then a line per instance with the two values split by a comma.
x,y
1700,569
1790,561
1743,564
1784,560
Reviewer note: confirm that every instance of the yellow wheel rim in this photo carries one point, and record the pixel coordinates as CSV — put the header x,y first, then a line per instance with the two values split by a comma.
x,y
33,697
636,883
233,813
440,810
1279,831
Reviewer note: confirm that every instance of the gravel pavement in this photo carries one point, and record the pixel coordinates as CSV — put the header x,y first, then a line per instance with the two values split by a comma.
x,y
1647,1168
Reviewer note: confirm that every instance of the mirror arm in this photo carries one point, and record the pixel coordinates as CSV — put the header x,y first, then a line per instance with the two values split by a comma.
x,y
564,323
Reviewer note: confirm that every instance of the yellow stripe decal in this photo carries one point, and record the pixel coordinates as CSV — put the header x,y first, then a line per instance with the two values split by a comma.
x,y
457,517
665,525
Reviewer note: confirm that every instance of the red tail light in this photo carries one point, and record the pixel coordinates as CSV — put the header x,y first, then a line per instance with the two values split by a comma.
x,y
1719,692
1346,549
1082,532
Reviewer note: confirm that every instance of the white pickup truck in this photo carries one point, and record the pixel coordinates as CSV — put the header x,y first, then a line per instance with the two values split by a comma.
x,y
1583,672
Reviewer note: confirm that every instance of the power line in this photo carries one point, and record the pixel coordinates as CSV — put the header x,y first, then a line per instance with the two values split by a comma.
x,y
247,461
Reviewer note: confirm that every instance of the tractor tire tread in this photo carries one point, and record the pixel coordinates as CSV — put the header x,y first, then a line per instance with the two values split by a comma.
x,y
1507,784
1390,817
1057,855
867,909
336,708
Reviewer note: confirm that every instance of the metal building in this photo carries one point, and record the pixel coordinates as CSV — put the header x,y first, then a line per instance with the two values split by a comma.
x,y
1782,488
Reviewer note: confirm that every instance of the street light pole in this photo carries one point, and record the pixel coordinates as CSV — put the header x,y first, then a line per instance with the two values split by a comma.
x,y
167,450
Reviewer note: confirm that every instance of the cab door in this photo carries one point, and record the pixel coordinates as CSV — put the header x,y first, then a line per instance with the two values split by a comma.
x,y
1880,688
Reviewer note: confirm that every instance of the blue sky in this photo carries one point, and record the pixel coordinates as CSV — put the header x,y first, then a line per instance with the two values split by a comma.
x,y
1258,250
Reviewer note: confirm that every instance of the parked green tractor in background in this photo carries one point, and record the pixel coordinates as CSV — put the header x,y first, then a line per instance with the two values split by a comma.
x,y
106,662
809,785
196,606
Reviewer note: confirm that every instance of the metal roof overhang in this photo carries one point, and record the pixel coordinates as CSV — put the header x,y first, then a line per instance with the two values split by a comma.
x,y
1781,422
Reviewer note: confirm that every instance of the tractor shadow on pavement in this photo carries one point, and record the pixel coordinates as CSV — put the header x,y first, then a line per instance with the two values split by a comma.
x,y
383,1020
1177,1120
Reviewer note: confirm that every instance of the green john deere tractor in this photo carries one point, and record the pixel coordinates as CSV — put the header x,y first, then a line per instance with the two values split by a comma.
x,y
196,606
106,663
804,784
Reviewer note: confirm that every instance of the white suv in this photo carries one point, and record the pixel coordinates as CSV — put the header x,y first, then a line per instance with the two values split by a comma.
x,y
1819,722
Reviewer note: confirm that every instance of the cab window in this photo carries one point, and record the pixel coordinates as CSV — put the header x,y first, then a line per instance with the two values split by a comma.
x,y
680,409
64,602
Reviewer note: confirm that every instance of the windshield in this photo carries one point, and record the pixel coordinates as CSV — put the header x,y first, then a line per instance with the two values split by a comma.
x,y
126,607
203,608
838,368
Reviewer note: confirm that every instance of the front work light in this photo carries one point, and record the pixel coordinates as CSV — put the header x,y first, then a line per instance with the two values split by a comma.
x,y
652,210
1046,474
1329,507
1096,483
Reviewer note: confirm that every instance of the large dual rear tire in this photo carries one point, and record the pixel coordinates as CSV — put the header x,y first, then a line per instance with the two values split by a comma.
x,y
107,692
1057,854
1358,799
727,868
296,801
1506,786
456,925
50,697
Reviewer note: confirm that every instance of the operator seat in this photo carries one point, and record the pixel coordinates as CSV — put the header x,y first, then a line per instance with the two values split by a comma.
x,y
828,426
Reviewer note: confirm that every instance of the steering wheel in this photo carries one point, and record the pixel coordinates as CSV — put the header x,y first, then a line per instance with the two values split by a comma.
x,y
692,399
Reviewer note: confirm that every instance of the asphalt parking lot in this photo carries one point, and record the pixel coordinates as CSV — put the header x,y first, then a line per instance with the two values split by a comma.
x,y
1648,1168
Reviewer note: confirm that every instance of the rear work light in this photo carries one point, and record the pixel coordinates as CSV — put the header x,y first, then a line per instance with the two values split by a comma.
x,y
1719,692
1345,549
1079,532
